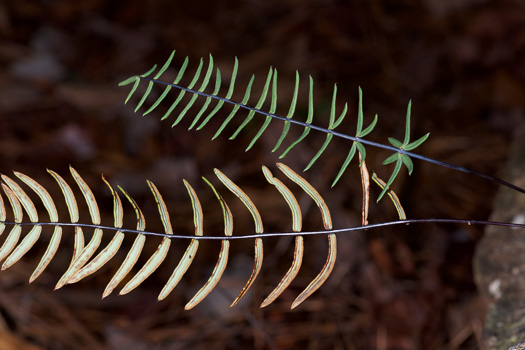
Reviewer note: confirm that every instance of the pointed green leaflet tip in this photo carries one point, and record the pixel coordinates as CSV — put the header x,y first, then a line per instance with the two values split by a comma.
x,y
407,127
128,81
381,194
149,72
391,159
369,128
417,143
394,142
362,151
408,163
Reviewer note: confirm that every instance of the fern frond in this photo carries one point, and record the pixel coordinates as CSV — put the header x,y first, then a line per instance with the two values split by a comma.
x,y
223,254
85,262
403,150
270,84
327,221
258,229
299,241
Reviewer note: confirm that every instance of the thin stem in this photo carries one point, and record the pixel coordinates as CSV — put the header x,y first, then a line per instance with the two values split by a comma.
x,y
345,136
277,234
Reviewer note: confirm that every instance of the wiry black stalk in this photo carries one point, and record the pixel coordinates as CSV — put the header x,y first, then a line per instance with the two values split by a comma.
x,y
347,137
276,234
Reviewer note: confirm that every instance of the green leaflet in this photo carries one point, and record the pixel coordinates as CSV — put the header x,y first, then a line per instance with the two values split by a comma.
x,y
291,111
392,195
203,86
228,95
181,95
257,106
150,84
235,108
135,79
168,87
268,119
208,99
309,120
332,124
399,157
356,145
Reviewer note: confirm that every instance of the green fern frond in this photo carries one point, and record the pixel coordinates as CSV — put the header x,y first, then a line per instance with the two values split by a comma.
x,y
358,141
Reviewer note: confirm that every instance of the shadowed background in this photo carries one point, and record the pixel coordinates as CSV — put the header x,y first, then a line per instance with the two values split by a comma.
x,y
461,62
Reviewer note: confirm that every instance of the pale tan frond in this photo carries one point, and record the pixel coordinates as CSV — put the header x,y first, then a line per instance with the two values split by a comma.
x,y
299,242
48,254
87,252
10,242
311,191
14,234
44,195
113,246
160,254
23,247
258,259
222,261
191,251
134,252
24,199
30,239
243,197
69,197
290,275
88,196
3,215
78,245
50,206
365,185
323,275
288,197
258,229
327,221
392,195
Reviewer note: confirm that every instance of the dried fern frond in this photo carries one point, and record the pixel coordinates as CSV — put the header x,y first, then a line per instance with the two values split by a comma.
x,y
86,261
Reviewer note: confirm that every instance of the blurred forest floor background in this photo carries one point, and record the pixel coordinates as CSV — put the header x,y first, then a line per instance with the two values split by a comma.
x,y
462,62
